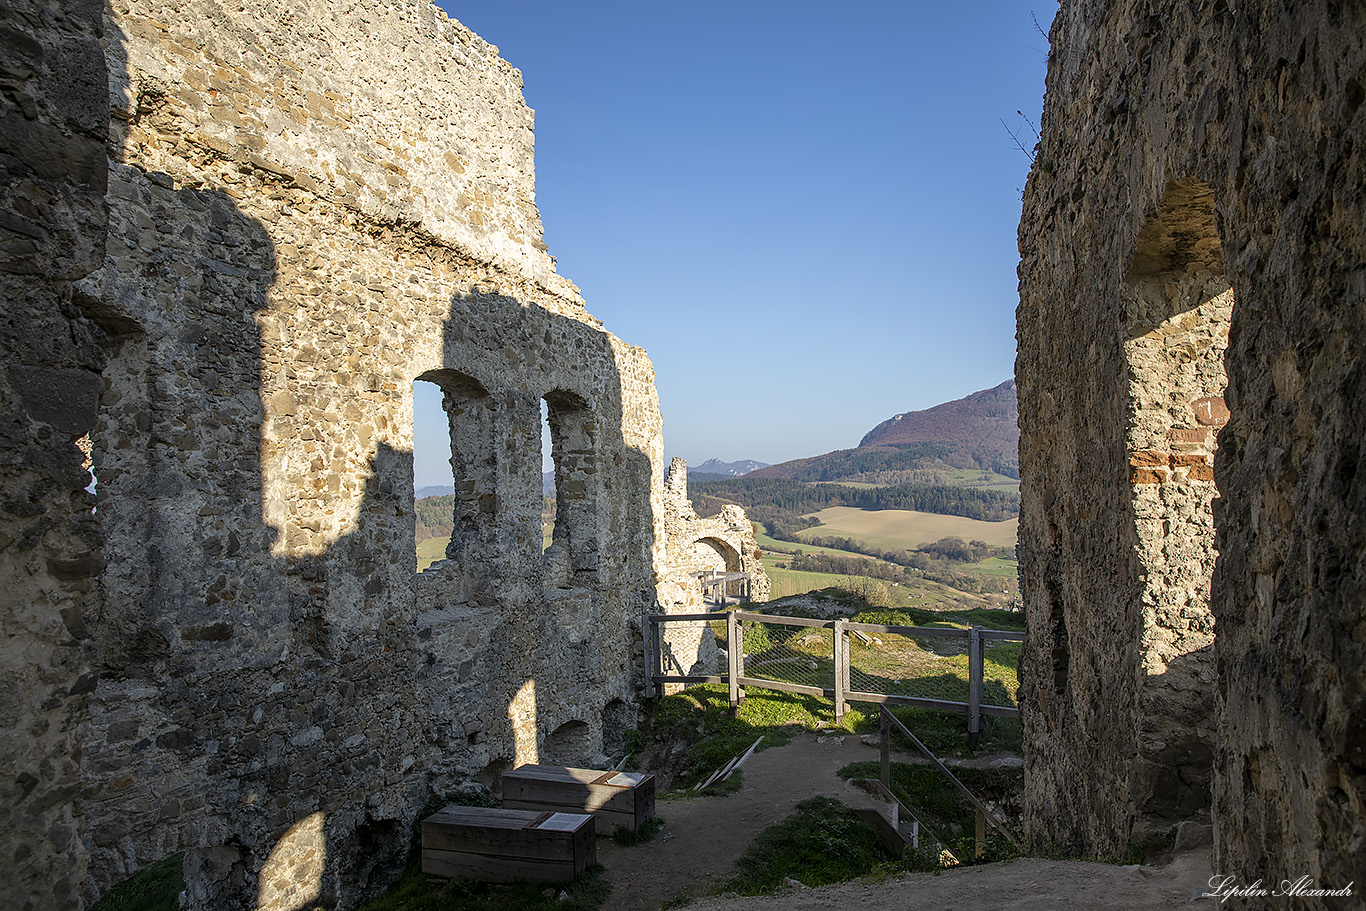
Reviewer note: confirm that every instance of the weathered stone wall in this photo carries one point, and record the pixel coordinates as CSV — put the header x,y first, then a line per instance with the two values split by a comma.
x,y
310,207
724,542
1197,187
53,116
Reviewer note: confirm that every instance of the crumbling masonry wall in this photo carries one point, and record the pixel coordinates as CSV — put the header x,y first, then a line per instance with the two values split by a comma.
x,y
1192,299
724,542
222,646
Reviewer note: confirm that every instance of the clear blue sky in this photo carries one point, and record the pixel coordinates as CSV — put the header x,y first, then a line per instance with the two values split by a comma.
x,y
805,213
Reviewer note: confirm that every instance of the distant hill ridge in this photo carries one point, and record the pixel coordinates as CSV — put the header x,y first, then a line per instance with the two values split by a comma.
x,y
978,431
989,418
730,469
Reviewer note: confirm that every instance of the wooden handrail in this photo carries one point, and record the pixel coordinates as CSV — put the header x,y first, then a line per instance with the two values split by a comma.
x,y
977,804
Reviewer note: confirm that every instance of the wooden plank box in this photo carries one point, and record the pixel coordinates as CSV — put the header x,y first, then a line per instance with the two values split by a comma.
x,y
502,845
623,799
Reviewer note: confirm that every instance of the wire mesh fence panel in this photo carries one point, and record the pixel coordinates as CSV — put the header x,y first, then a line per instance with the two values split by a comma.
x,y
692,648
788,653
897,664
1000,667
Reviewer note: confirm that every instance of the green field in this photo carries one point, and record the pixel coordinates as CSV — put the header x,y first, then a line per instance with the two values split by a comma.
x,y
794,582
902,529
963,477
912,593
431,550
767,544
991,566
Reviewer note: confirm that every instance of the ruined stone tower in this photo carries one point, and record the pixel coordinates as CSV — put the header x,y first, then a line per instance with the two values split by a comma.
x,y
233,239
1192,405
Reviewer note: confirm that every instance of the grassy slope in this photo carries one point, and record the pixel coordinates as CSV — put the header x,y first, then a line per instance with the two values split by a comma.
x,y
431,550
917,593
767,544
964,477
901,529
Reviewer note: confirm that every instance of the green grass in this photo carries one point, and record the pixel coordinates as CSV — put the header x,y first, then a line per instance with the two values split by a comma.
x,y
944,733
768,544
991,566
939,806
701,717
823,842
787,582
934,668
904,529
154,888
431,550
962,477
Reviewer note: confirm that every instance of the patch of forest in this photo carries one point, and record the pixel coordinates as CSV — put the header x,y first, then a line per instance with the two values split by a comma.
x,y
783,500
875,464
435,517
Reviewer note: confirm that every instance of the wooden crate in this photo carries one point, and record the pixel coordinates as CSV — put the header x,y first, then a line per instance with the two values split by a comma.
x,y
624,799
502,845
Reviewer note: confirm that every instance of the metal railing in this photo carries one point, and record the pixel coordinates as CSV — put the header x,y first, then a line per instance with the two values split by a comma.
x,y
840,660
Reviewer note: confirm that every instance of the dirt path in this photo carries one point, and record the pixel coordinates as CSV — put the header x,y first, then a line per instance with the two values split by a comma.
x,y
703,836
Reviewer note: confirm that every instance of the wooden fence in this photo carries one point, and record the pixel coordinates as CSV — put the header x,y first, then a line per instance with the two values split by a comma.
x,y
801,668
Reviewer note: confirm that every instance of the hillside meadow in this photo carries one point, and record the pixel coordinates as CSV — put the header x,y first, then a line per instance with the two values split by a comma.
x,y
903,529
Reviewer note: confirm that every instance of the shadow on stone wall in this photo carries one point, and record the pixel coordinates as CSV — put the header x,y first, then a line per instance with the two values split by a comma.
x,y
278,716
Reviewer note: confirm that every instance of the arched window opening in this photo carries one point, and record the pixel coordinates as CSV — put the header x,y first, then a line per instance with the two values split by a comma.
x,y
452,518
708,558
433,484
572,553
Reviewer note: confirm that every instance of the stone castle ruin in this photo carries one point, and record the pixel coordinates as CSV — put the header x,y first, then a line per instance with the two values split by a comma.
x,y
719,544
233,238
1192,405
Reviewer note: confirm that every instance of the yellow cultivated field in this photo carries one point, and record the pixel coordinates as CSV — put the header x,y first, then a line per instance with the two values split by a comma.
x,y
902,529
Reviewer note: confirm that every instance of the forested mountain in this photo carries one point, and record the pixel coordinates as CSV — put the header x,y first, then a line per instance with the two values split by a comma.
x,y
987,421
976,432
909,458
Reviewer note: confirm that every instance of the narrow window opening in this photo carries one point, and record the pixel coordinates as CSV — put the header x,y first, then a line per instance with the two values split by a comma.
x,y
572,551
547,479
433,480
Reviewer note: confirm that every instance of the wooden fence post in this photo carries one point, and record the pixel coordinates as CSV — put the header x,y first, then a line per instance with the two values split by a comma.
x,y
736,657
885,747
651,662
841,650
975,671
